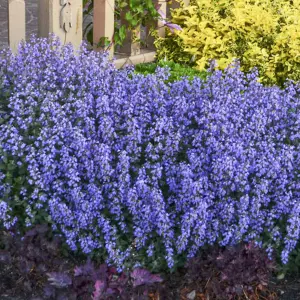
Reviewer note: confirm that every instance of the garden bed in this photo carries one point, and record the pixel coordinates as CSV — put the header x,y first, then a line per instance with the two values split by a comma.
x,y
183,187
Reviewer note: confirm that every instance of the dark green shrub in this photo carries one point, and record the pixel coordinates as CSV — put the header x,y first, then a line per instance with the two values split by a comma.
x,y
177,71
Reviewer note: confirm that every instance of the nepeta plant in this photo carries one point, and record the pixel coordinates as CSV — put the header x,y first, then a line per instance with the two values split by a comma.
x,y
140,170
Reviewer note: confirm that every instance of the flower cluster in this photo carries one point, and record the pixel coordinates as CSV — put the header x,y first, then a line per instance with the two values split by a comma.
x,y
124,164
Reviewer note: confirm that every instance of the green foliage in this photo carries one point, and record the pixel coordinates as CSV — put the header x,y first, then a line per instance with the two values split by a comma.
x,y
292,268
133,12
177,71
259,33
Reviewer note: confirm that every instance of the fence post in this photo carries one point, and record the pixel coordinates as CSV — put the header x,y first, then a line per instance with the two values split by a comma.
x,y
16,23
161,28
166,10
63,18
43,18
103,26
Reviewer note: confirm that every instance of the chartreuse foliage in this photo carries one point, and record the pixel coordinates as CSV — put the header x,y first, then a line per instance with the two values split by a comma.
x,y
260,33
142,172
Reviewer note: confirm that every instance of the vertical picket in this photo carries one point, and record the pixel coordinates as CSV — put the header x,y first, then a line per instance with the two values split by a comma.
x,y
104,22
161,28
16,23
63,18
43,18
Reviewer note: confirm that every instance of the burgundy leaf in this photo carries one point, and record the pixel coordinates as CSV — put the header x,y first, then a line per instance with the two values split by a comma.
x,y
112,270
62,296
59,280
122,279
42,268
31,233
119,282
111,292
25,266
142,276
99,289
28,285
5,257
43,228
87,269
49,291
52,246
101,273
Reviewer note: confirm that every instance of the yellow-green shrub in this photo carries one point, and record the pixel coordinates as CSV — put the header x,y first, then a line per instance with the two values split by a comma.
x,y
260,33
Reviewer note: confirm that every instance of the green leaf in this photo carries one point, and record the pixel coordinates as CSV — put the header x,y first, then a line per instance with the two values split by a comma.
x,y
134,22
103,42
123,4
133,3
11,166
128,16
84,2
89,36
149,4
122,32
139,9
117,38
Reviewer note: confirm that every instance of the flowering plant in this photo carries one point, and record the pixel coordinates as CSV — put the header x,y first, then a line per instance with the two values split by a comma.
x,y
140,171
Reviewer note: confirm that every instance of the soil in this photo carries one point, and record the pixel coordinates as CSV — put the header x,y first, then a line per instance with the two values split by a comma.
x,y
19,281
14,288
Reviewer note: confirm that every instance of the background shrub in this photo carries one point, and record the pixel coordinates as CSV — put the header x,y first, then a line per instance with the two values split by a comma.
x,y
259,33
143,172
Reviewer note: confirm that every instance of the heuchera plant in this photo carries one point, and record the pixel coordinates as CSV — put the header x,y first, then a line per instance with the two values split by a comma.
x,y
106,281
140,171
35,264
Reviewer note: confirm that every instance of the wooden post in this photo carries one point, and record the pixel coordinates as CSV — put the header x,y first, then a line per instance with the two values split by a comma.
x,y
16,23
43,18
104,19
63,18
161,28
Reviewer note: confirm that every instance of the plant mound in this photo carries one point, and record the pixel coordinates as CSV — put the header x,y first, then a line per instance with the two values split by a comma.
x,y
259,33
140,172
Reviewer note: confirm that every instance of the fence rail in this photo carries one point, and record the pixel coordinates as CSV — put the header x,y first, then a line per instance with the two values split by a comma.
x,y
64,19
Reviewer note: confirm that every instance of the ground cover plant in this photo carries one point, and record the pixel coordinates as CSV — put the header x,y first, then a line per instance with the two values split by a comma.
x,y
261,34
177,71
140,172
